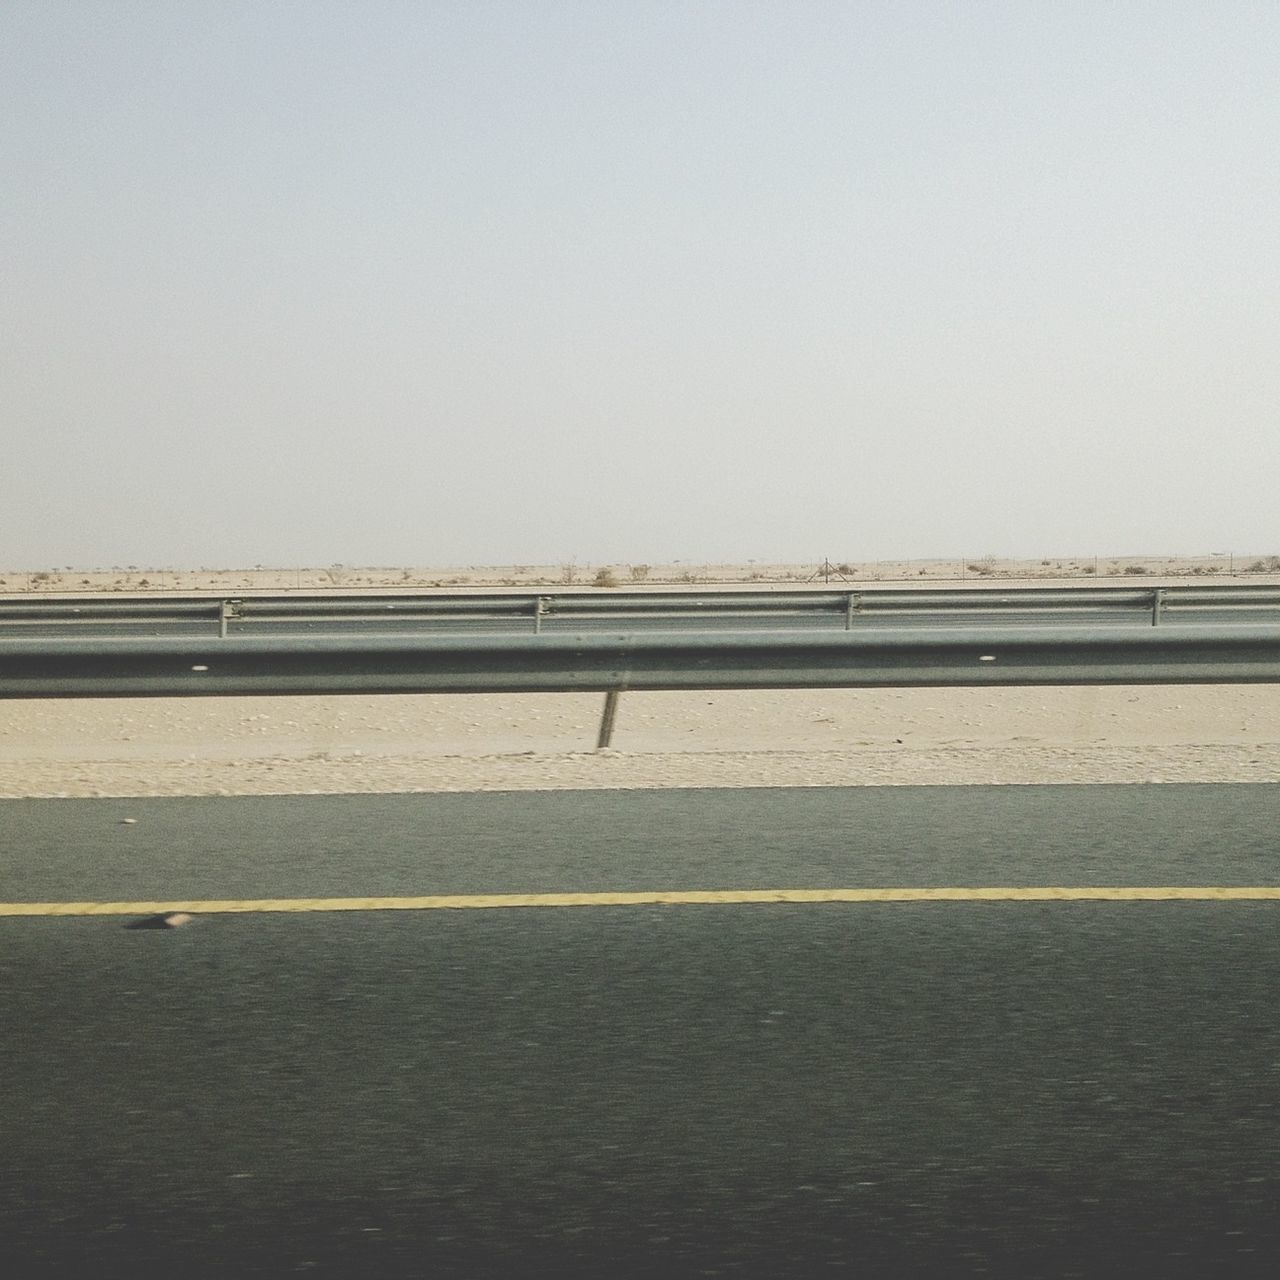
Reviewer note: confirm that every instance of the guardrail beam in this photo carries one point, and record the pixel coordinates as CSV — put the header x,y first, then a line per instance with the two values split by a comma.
x,y
594,662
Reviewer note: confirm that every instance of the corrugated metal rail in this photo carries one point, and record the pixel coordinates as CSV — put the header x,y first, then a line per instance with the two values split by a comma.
x,y
730,640
1065,655
521,613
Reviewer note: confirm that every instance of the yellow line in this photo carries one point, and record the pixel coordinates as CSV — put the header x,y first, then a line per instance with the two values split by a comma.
x,y
677,897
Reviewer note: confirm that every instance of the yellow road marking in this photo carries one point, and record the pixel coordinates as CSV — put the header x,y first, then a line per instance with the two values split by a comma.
x,y
676,897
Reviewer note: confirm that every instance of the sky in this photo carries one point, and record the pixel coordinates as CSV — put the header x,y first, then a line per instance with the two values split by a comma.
x,y
297,282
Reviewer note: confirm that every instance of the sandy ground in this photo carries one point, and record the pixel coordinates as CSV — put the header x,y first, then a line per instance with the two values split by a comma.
x,y
233,746
230,746
1145,570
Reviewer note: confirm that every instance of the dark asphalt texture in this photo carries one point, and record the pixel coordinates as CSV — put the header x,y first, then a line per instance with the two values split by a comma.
x,y
1012,1089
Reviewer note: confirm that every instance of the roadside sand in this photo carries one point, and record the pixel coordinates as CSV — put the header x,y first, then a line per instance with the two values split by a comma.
x,y
843,737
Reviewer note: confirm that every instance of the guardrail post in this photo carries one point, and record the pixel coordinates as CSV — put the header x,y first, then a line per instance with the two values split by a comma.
x,y
227,610
1157,606
607,719
854,604
539,603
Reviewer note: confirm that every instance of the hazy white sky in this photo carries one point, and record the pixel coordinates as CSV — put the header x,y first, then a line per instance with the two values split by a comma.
x,y
295,281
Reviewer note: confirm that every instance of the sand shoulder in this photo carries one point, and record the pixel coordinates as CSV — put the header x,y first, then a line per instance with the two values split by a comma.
x,y
457,742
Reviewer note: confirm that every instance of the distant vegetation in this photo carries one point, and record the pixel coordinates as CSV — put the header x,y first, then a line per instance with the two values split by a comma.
x,y
347,577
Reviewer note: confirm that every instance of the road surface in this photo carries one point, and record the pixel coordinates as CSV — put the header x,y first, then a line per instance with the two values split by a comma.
x,y
715,1088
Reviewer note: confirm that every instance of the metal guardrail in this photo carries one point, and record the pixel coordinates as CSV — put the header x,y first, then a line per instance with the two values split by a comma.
x,y
903,644
185,667
534,612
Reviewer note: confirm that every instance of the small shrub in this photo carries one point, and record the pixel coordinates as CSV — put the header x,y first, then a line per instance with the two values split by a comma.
x,y
1135,569
605,577
639,572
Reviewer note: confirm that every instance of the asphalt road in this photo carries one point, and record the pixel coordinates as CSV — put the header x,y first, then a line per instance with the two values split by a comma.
x,y
1009,1088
